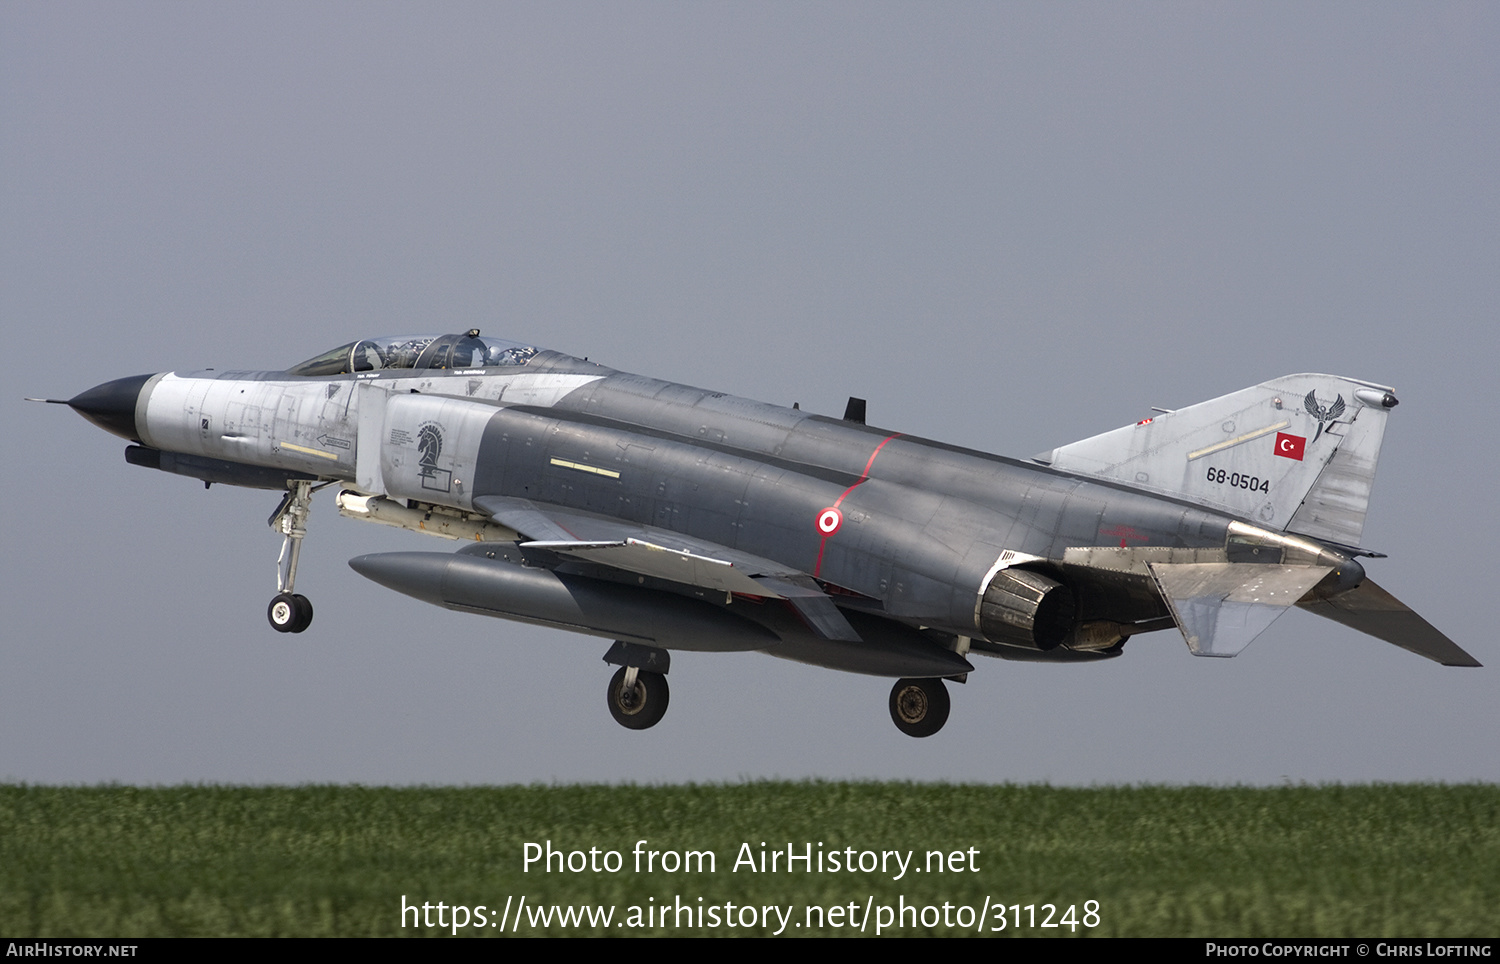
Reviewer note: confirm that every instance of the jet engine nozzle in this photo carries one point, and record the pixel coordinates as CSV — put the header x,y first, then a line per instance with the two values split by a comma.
x,y
112,406
1024,608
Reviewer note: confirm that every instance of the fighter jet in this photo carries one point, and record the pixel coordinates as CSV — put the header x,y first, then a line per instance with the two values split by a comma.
x,y
663,517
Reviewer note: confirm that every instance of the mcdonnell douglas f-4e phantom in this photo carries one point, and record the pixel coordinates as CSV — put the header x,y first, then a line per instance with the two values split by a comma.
x,y
664,517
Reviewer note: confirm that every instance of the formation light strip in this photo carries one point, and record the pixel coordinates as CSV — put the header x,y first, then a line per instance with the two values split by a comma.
x,y
591,469
307,451
1236,441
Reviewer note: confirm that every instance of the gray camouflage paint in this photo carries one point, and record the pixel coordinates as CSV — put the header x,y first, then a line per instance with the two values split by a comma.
x,y
925,526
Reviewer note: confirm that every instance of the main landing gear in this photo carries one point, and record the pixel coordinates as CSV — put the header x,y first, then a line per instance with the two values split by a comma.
x,y
290,612
638,696
919,707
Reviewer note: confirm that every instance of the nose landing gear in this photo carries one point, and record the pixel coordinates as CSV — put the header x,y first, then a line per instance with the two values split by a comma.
x,y
290,612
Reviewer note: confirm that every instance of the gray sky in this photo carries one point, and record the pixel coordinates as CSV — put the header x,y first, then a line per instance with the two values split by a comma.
x,y
1008,225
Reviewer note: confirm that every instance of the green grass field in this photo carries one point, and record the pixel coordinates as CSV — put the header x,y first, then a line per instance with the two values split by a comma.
x,y
1368,861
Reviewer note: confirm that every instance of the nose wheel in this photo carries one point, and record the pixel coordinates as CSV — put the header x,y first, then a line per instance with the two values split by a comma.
x,y
290,612
919,707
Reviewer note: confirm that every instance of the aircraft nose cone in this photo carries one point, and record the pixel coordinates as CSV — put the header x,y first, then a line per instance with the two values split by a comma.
x,y
111,406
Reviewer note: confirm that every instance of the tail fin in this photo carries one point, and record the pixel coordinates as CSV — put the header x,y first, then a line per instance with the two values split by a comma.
x,y
1295,453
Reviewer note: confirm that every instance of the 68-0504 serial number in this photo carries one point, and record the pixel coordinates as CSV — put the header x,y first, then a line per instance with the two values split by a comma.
x,y
1252,483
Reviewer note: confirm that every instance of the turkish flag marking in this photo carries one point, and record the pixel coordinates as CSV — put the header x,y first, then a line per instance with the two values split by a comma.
x,y
1290,446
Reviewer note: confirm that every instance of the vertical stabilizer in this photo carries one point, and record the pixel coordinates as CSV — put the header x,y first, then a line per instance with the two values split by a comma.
x,y
1296,452
1334,509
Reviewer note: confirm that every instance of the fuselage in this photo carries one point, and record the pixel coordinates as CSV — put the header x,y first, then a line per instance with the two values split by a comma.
x,y
900,526
663,518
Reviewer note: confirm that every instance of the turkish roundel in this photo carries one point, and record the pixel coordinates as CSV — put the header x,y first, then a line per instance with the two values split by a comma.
x,y
1290,446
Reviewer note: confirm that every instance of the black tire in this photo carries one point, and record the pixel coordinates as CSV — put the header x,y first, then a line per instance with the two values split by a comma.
x,y
919,707
284,613
304,613
644,706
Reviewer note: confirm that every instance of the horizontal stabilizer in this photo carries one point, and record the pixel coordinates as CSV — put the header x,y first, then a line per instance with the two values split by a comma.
x,y
1221,606
1372,610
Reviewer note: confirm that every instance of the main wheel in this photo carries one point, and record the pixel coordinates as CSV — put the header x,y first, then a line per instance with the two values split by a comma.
x,y
643,705
919,707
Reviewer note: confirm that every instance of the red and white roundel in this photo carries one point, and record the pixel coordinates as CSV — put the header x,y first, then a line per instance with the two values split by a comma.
x,y
829,521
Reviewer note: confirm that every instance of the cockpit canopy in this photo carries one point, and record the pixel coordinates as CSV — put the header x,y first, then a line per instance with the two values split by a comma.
x,y
417,351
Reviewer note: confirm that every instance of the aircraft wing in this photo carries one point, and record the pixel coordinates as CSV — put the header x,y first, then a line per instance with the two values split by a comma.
x,y
523,516
1372,610
663,554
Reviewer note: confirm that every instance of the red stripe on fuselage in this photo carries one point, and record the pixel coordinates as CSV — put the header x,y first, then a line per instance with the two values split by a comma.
x,y
863,476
